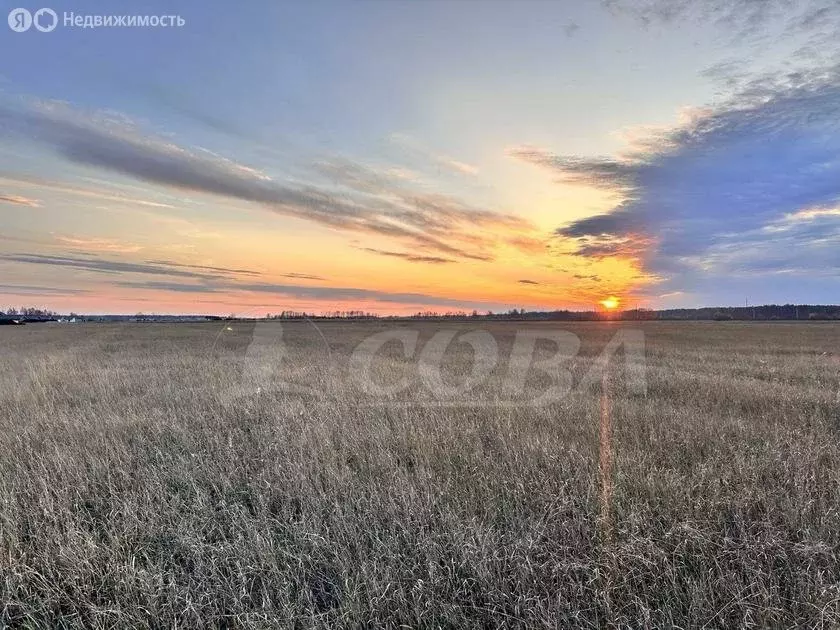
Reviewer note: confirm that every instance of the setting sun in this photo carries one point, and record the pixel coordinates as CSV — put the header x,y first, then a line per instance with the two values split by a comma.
x,y
611,303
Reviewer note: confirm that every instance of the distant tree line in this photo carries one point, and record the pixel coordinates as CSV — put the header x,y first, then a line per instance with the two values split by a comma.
x,y
325,315
28,314
767,312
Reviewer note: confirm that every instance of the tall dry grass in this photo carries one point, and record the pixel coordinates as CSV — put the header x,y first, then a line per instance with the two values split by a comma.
x,y
134,493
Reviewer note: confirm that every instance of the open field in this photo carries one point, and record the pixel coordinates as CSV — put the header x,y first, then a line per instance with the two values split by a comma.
x,y
145,482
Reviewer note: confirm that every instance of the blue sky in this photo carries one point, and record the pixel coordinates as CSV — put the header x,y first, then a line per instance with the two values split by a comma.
x,y
398,156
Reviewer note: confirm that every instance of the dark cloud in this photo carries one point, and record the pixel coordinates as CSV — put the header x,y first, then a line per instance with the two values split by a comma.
x,y
599,172
621,221
723,177
635,246
527,282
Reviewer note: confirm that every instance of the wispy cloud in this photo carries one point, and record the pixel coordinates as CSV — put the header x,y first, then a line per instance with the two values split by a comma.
x,y
803,243
70,189
742,19
365,202
103,265
351,294
459,166
301,276
234,271
528,244
99,244
598,172
23,289
416,149
436,260
423,209
226,270
527,282
755,30
19,201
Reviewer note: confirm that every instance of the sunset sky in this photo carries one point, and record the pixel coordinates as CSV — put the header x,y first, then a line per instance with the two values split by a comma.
x,y
396,156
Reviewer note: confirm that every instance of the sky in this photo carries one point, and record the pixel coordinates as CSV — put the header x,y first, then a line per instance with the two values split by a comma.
x,y
399,156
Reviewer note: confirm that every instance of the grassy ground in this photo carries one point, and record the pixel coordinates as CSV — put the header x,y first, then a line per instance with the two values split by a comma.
x,y
136,491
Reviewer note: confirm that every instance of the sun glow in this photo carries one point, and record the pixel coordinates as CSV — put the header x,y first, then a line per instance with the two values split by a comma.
x,y
611,303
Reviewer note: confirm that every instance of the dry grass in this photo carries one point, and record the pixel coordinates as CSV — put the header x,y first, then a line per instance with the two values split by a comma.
x,y
133,495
